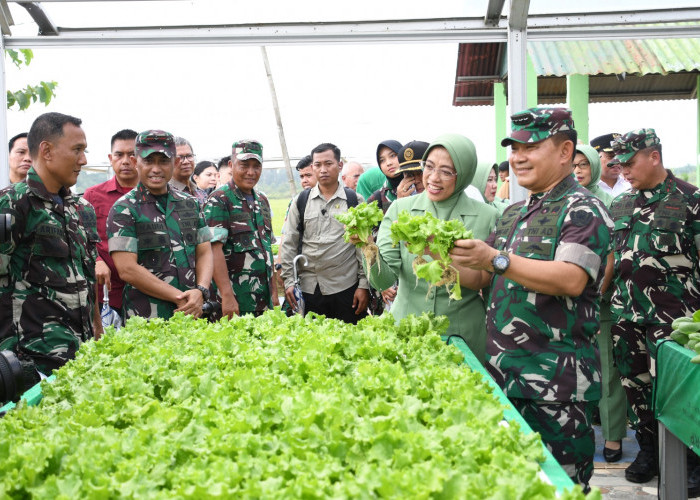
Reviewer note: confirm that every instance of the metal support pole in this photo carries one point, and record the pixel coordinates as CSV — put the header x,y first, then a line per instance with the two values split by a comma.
x,y
517,74
500,104
673,481
278,117
577,98
697,129
4,153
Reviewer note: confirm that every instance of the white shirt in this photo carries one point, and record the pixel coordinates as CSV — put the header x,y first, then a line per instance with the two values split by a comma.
x,y
620,186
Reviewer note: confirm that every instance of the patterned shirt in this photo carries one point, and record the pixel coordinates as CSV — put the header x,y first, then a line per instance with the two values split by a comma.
x,y
245,230
47,272
164,240
542,346
656,240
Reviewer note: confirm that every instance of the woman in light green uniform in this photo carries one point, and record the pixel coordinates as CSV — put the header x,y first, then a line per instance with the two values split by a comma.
x,y
613,403
486,181
450,164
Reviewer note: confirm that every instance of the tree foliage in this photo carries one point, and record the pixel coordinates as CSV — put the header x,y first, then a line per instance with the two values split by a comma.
x,y
23,98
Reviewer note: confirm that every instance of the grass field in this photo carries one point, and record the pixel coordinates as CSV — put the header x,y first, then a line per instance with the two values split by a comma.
x,y
279,210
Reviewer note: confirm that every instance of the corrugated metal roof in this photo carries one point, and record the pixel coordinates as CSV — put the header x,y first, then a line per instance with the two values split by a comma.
x,y
610,57
620,70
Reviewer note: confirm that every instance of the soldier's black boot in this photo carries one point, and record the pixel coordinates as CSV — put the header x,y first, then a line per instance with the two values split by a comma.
x,y
645,467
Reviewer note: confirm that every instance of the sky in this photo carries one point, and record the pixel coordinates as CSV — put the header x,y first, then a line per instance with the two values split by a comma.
x,y
352,95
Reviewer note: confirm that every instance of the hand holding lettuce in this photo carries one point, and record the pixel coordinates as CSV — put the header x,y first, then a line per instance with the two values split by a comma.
x,y
425,234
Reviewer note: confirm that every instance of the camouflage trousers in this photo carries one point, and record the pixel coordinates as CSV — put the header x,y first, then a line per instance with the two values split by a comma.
x,y
566,429
634,350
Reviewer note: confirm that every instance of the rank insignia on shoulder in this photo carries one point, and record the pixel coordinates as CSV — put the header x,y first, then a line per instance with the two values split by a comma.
x,y
581,219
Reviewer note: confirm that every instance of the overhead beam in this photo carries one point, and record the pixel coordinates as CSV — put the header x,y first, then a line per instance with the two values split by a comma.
x,y
41,18
493,12
345,33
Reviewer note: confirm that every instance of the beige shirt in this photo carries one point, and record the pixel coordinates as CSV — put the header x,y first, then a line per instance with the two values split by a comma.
x,y
333,265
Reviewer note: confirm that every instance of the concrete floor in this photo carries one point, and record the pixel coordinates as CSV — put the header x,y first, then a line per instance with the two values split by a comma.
x,y
610,477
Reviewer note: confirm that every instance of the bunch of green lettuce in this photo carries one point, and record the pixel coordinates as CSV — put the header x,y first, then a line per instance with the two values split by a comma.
x,y
269,407
425,233
360,221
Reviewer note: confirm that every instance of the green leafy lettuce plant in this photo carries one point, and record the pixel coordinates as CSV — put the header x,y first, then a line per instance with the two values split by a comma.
x,y
425,233
269,407
359,221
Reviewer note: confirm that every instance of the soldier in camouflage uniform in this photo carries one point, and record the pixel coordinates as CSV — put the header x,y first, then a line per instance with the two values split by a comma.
x,y
158,238
47,260
241,223
541,346
656,242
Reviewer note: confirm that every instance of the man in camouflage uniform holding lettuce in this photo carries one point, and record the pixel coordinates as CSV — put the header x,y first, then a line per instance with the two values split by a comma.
x,y
158,237
656,242
241,222
548,256
47,259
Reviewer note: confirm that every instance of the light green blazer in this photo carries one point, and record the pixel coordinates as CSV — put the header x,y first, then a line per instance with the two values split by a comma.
x,y
468,315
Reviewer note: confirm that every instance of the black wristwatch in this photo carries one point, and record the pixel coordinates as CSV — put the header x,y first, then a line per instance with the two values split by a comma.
x,y
205,292
500,263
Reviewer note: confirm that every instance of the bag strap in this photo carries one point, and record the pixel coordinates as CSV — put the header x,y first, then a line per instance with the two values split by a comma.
x,y
301,207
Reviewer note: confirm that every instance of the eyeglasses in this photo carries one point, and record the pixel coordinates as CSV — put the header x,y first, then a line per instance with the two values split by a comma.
x,y
582,164
443,173
189,157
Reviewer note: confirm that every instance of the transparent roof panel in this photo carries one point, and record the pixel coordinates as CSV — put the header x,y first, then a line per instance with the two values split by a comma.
x,y
145,13
151,13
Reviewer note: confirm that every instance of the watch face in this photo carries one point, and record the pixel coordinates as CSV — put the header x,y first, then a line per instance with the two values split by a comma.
x,y
500,262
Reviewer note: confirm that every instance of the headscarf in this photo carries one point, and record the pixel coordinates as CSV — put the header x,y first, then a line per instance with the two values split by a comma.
x,y
395,146
481,176
592,155
463,155
371,180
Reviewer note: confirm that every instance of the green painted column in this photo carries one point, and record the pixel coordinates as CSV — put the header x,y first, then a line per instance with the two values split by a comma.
x,y
500,110
531,84
697,129
577,97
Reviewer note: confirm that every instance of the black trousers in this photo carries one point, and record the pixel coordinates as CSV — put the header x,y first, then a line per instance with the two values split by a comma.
x,y
336,305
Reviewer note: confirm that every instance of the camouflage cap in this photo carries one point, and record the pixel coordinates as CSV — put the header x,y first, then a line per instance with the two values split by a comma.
x,y
411,155
246,149
603,142
537,124
628,145
155,141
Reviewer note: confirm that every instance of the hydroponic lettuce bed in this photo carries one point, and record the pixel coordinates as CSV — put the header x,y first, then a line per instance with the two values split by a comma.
x,y
269,407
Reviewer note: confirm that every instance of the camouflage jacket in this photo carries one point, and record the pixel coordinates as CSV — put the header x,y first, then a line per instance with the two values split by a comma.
x,y
246,234
47,272
543,346
163,240
656,241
